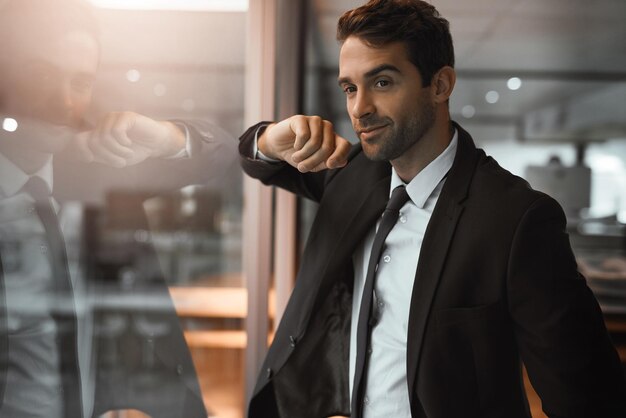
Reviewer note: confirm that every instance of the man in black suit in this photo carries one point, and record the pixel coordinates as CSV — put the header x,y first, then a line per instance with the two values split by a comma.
x,y
56,358
475,276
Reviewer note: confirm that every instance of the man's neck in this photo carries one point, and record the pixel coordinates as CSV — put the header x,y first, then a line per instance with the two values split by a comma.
x,y
424,151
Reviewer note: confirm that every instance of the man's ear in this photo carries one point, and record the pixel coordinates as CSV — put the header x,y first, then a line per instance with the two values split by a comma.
x,y
443,83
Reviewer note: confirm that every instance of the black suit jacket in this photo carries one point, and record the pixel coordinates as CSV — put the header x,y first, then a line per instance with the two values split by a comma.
x,y
496,284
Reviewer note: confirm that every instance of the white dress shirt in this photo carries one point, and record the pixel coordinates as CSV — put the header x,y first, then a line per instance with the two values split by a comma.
x,y
386,392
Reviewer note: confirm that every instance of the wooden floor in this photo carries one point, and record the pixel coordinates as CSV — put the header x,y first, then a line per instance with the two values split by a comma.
x,y
533,399
220,372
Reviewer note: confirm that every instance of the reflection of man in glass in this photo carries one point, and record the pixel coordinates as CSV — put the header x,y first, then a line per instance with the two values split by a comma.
x,y
48,359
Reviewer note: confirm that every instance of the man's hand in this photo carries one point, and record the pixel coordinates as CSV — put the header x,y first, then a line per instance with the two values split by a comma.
x,y
308,143
125,138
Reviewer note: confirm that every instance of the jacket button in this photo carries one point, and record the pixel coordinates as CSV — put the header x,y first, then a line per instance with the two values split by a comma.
x,y
292,341
268,373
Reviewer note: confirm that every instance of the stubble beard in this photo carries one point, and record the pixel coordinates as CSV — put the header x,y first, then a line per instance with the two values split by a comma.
x,y
402,136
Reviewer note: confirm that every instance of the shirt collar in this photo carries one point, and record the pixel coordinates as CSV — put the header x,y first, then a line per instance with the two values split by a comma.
x,y
13,178
425,182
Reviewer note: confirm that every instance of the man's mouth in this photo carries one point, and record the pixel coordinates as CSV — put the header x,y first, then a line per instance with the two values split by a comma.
x,y
369,132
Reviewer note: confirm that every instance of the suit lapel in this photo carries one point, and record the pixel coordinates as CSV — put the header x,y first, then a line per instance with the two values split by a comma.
x,y
437,239
354,200
362,210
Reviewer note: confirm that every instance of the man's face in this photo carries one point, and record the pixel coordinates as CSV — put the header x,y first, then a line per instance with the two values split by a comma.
x,y
389,108
52,80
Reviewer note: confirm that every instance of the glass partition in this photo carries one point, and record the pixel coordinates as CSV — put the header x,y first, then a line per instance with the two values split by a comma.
x,y
120,209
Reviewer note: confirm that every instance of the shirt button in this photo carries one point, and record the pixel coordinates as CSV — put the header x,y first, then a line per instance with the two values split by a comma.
x,y
369,350
366,401
179,369
381,304
403,219
387,258
44,248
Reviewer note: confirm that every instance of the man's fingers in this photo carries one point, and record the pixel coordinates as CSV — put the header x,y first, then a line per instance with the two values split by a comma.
x,y
110,137
305,142
318,142
103,154
111,142
321,166
328,148
339,157
118,124
300,127
115,134
319,146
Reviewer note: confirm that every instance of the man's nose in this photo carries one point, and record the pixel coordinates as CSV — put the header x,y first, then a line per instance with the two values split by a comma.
x,y
61,103
362,106
63,96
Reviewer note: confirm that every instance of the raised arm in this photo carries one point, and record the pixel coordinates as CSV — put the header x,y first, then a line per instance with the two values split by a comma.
x,y
308,143
295,154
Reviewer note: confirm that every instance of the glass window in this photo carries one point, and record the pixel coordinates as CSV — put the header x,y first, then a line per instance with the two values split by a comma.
x,y
120,209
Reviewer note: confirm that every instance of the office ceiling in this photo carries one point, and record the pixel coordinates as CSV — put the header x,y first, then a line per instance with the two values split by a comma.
x,y
569,54
566,52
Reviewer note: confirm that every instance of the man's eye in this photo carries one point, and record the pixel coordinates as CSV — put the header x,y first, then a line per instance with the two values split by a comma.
x,y
349,89
382,83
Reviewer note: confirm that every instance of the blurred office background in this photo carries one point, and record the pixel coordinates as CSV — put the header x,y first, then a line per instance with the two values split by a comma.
x,y
541,87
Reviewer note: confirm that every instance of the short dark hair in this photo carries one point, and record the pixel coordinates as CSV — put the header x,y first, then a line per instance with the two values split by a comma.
x,y
417,23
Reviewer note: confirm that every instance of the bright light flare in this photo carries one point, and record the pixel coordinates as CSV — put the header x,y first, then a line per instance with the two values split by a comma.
x,y
9,124
468,111
133,75
492,97
514,83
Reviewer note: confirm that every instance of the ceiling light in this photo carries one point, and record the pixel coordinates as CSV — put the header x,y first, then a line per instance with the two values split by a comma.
x,y
189,5
9,125
468,111
492,97
133,75
159,90
514,83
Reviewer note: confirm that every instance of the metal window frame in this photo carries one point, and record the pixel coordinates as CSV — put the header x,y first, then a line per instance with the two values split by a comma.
x,y
275,37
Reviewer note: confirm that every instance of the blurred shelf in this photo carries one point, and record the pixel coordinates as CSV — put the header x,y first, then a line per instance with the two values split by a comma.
x,y
214,302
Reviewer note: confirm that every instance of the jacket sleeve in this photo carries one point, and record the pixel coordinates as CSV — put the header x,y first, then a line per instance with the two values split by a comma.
x,y
212,158
212,162
563,342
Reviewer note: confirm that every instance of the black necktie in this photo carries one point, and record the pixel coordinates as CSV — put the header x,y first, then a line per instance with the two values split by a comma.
x,y
366,320
64,311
